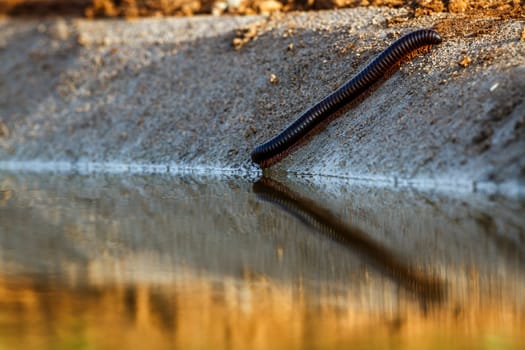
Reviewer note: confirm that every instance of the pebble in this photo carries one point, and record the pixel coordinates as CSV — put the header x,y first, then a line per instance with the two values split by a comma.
x,y
465,62
59,30
269,6
218,8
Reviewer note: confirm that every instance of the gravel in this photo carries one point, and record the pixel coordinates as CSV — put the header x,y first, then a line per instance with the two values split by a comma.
x,y
203,91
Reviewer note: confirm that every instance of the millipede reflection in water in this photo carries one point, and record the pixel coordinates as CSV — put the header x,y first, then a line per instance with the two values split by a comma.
x,y
428,288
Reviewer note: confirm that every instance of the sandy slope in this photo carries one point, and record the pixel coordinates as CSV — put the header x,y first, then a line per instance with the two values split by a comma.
x,y
176,91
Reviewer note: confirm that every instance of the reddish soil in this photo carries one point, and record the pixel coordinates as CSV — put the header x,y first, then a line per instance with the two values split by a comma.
x,y
144,8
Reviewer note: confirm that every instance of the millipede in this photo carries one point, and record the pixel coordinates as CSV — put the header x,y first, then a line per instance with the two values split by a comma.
x,y
267,153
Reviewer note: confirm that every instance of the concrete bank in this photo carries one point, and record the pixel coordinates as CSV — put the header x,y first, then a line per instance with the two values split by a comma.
x,y
203,91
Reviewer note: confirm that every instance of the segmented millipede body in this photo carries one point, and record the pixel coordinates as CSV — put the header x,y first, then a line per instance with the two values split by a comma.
x,y
309,119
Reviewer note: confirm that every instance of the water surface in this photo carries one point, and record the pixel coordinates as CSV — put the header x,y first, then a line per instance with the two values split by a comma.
x,y
162,262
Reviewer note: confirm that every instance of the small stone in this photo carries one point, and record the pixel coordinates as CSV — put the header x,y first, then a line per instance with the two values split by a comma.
x,y
523,35
232,151
82,40
238,43
457,6
60,30
291,47
233,4
274,79
244,35
218,8
269,6
465,62
250,130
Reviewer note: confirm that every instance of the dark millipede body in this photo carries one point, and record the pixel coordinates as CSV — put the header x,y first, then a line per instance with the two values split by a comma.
x,y
346,93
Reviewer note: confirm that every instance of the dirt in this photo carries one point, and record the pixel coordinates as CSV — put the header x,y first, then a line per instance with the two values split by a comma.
x,y
148,8
203,91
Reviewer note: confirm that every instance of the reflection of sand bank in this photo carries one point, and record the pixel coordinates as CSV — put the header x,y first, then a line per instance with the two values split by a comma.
x,y
203,311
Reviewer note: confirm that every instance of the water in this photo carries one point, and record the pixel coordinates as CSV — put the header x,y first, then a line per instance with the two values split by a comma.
x,y
162,262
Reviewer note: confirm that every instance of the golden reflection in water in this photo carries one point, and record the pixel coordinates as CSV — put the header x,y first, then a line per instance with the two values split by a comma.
x,y
205,312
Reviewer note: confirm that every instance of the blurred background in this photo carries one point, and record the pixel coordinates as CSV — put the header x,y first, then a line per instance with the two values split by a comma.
x,y
146,8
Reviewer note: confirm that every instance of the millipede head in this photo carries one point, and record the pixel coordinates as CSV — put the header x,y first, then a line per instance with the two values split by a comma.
x,y
435,36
